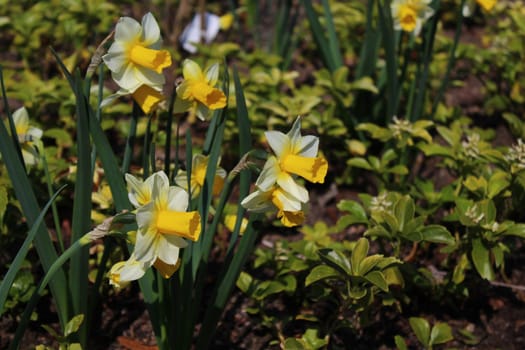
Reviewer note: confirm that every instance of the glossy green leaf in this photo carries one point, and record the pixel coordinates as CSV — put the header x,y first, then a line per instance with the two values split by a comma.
x,y
359,252
404,210
481,259
320,272
73,325
421,328
437,234
377,279
400,343
336,259
516,230
441,333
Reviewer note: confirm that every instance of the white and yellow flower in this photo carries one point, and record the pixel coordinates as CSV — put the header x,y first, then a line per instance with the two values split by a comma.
x,y
123,272
163,223
197,93
409,15
294,155
28,137
289,208
199,166
136,61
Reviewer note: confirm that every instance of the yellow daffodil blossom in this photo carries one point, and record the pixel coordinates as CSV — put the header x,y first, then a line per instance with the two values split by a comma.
x,y
123,272
409,15
288,207
136,61
199,167
163,222
28,136
197,93
295,155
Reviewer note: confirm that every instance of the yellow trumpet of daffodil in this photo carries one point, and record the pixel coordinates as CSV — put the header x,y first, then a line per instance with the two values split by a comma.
x,y
409,15
136,61
197,93
199,167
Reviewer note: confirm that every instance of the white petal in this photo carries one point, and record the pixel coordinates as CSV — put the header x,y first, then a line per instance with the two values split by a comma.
x,y
21,118
35,133
167,250
268,176
295,132
127,29
212,74
258,201
115,58
127,79
145,216
289,202
191,35
146,246
308,146
279,142
212,27
150,30
177,199
289,185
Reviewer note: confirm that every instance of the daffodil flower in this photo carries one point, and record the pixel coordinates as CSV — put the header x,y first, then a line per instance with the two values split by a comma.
x,y
194,33
136,61
198,93
163,222
198,173
123,272
28,136
295,155
409,15
288,207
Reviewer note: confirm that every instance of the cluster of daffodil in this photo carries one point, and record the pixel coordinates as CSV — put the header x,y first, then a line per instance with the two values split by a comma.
x,y
163,224
136,63
277,187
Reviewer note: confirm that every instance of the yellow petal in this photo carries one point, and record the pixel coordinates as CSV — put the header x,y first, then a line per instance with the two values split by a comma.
x,y
184,224
156,60
230,220
486,4
291,218
166,270
312,169
218,184
147,98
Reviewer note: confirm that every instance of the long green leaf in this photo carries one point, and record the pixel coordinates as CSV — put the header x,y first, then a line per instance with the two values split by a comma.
x,y
26,197
22,252
78,282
